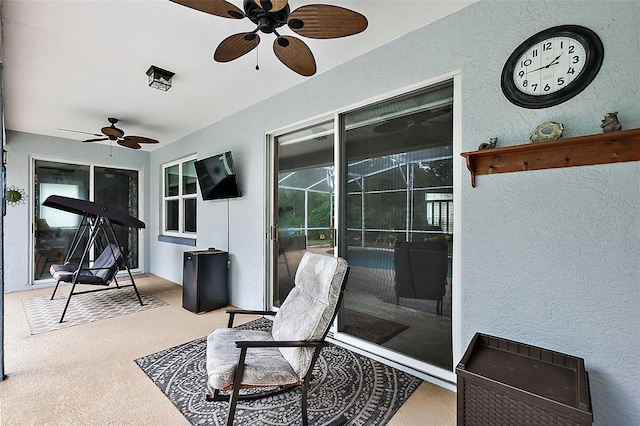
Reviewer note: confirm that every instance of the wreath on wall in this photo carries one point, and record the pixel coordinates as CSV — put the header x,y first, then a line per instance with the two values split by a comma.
x,y
15,196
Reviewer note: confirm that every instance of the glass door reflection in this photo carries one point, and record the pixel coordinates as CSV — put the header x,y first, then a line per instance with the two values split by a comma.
x,y
398,209
54,229
303,202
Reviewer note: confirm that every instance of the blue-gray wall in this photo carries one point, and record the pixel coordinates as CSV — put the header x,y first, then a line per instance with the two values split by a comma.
x,y
549,257
21,147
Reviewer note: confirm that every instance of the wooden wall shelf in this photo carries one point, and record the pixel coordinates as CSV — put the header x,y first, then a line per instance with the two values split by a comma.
x,y
603,148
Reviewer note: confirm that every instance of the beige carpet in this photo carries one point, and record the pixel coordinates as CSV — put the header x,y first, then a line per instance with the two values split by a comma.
x,y
44,314
86,375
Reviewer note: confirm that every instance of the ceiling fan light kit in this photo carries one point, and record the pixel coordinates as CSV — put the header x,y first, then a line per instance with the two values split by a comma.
x,y
159,78
319,21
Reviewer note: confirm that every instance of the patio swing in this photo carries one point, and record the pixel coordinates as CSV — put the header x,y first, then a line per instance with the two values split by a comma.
x,y
95,231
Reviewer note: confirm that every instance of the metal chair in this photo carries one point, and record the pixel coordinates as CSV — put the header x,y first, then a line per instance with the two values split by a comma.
x,y
283,358
421,271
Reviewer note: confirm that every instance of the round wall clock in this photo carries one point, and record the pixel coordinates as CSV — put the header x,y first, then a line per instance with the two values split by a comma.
x,y
552,66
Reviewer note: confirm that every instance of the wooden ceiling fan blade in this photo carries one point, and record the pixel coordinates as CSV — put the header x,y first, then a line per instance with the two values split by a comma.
x,y
295,54
271,5
235,46
129,144
139,139
326,21
96,140
220,8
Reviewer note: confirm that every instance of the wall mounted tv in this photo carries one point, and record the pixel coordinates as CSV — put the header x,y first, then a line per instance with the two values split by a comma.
x,y
217,177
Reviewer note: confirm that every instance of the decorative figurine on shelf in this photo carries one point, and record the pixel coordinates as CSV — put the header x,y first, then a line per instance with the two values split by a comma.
x,y
610,122
547,131
488,145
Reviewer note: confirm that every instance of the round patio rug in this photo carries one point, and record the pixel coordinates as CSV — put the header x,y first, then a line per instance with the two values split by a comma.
x,y
365,391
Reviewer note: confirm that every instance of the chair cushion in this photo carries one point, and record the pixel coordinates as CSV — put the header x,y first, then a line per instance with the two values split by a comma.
x,y
57,269
65,273
307,311
101,273
106,265
264,366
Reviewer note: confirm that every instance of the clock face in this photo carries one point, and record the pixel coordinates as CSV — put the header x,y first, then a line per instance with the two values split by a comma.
x,y
549,65
552,66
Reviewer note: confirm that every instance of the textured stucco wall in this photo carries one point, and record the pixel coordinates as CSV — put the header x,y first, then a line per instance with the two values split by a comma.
x,y
549,257
21,147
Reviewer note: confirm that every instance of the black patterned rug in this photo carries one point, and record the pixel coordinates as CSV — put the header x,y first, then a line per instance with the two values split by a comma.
x,y
370,328
365,391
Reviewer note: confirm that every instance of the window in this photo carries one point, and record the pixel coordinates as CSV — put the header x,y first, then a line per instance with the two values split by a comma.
x,y
179,198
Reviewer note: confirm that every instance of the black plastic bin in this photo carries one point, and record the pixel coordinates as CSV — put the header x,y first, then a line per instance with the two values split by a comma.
x,y
502,382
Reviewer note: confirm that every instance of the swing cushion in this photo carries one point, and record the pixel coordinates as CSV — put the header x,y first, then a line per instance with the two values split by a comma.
x,y
101,273
60,272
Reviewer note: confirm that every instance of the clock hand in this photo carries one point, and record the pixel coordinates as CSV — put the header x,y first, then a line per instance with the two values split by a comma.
x,y
537,69
554,62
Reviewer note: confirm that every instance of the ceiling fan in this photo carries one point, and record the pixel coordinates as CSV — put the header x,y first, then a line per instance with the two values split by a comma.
x,y
112,133
320,21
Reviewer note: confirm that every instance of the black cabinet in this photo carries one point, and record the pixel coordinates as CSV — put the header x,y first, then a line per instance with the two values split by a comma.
x,y
204,280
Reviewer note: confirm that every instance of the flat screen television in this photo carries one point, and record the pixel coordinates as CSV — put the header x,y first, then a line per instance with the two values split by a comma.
x,y
217,177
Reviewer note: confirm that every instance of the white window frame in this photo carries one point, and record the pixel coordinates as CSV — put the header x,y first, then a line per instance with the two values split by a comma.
x,y
180,233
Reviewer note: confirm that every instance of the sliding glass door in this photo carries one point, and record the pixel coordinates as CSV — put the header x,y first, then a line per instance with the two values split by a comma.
x,y
398,209
118,188
54,229
376,182
303,202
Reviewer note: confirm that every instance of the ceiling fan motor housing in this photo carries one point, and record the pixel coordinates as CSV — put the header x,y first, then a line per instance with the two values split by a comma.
x,y
112,132
267,22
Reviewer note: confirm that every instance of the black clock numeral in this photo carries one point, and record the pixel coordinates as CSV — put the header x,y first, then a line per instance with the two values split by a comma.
x,y
576,59
525,63
546,88
534,52
525,83
546,46
560,81
535,86
571,70
572,48
521,74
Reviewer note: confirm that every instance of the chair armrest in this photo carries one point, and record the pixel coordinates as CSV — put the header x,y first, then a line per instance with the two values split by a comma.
x,y
280,343
232,313
250,312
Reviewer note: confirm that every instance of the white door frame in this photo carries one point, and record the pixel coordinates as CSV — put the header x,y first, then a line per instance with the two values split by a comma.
x,y
421,369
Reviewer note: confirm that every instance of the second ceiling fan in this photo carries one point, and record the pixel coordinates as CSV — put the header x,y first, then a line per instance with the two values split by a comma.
x,y
112,133
320,21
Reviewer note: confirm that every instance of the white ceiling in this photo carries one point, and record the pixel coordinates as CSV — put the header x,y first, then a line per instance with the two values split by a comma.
x,y
71,64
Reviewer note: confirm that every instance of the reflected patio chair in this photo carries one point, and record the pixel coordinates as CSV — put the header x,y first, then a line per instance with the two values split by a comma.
x,y
421,271
282,359
50,247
